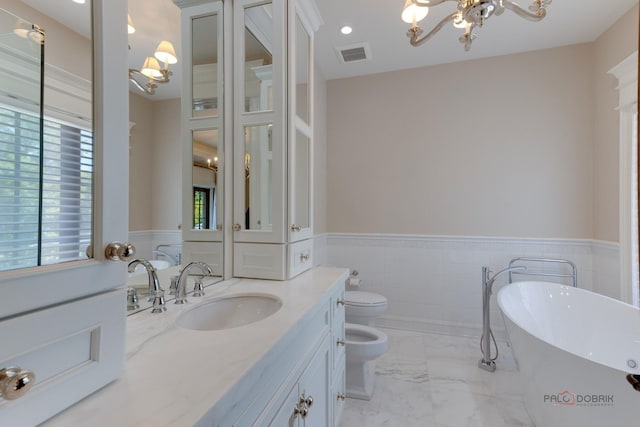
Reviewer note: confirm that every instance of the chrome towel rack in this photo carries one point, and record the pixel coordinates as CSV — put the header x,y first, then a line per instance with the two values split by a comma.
x,y
528,272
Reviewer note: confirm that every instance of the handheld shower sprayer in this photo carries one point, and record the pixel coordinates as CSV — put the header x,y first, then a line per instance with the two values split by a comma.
x,y
487,362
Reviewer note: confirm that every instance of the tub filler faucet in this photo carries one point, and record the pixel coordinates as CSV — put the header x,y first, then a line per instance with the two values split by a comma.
x,y
487,362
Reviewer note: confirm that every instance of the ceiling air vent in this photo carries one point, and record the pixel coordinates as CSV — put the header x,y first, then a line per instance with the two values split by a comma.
x,y
354,53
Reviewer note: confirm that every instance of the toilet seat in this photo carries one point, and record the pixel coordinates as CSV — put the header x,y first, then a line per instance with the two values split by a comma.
x,y
364,342
364,299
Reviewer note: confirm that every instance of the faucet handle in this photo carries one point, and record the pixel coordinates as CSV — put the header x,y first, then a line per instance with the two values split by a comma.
x,y
174,285
198,289
132,299
158,303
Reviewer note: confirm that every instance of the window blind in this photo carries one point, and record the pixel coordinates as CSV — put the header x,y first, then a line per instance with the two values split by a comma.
x,y
65,202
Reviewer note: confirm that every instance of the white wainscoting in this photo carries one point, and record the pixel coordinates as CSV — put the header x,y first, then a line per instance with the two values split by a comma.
x,y
433,283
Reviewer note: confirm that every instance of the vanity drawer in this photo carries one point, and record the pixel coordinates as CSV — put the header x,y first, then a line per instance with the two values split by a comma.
x,y
260,261
73,349
300,257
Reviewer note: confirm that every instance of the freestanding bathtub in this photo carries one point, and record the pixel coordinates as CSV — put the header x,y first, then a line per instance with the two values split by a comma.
x,y
574,349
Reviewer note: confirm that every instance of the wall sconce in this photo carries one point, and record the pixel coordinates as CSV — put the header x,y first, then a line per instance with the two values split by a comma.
x,y
151,69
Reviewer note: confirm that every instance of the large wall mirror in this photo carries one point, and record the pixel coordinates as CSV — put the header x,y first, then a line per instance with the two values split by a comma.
x,y
176,174
46,134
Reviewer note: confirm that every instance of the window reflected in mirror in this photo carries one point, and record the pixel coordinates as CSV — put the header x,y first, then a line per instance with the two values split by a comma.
x,y
206,161
258,178
206,65
46,139
258,58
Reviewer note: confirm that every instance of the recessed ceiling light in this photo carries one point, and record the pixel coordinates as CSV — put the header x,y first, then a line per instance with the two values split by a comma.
x,y
346,30
79,1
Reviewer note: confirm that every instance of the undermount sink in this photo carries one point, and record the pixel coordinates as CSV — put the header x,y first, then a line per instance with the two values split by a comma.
x,y
229,312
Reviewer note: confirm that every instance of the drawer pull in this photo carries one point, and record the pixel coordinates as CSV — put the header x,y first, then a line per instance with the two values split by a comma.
x,y
340,342
295,228
339,302
341,396
301,409
304,257
15,382
307,400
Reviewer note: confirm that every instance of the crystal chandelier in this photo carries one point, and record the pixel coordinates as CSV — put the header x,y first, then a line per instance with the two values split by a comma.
x,y
470,14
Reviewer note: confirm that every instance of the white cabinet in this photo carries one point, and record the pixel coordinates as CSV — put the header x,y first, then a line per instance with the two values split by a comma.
x,y
273,133
73,349
308,404
299,389
259,76
65,322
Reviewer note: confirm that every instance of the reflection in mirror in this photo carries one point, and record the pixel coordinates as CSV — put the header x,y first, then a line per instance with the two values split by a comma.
x,y
302,72
302,170
46,137
205,65
205,180
257,164
258,58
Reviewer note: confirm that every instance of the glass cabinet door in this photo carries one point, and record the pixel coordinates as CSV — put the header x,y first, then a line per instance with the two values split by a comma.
x,y
204,130
259,112
300,185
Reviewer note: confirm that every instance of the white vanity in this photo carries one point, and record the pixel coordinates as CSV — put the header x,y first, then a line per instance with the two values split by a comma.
x,y
247,111
270,372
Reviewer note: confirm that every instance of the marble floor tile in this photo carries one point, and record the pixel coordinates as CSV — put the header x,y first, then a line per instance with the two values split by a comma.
x,y
429,380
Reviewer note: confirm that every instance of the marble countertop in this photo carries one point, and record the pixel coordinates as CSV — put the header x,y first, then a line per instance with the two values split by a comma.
x,y
178,377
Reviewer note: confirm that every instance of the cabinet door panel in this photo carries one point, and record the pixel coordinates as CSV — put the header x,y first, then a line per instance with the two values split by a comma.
x,y
286,415
315,383
259,121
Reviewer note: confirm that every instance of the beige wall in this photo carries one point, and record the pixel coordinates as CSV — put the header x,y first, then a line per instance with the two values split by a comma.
x,y
492,147
140,207
320,154
155,165
612,47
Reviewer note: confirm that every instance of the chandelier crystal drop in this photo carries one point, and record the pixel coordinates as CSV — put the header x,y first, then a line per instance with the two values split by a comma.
x,y
469,15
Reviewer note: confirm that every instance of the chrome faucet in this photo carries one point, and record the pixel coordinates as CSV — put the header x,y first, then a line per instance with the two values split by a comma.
x,y
154,285
487,362
181,286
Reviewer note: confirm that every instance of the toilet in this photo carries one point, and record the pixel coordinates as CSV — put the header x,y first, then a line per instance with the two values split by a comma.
x,y
364,343
363,307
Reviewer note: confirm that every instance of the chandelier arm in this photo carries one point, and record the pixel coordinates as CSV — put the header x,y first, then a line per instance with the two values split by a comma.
x,y
414,32
537,16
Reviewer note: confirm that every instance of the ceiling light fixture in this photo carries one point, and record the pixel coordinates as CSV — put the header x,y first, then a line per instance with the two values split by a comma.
x,y
151,69
346,30
470,13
